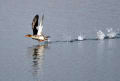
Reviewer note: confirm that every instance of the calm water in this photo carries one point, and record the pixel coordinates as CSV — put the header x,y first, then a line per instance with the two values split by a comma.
x,y
23,59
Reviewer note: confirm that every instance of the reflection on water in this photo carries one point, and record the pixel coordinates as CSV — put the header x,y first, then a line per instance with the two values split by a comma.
x,y
38,60
100,53
100,59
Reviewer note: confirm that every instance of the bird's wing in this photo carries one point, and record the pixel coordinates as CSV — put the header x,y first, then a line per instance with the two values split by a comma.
x,y
40,27
35,24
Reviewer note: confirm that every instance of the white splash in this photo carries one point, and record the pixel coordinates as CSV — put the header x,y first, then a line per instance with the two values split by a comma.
x,y
111,33
100,35
81,37
49,40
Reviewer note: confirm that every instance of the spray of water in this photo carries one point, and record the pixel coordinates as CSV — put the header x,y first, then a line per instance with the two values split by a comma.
x,y
111,33
81,37
100,35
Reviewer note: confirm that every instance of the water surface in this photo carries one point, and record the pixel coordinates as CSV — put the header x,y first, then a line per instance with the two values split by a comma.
x,y
24,59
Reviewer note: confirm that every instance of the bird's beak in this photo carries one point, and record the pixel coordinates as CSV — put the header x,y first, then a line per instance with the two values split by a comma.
x,y
28,35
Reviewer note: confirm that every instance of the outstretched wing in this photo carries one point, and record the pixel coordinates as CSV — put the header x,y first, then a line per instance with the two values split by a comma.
x,y
35,24
40,27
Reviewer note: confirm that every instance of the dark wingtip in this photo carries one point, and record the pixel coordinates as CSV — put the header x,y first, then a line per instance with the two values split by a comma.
x,y
36,16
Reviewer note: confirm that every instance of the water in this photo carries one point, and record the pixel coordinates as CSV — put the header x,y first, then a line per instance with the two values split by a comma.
x,y
100,35
111,33
65,57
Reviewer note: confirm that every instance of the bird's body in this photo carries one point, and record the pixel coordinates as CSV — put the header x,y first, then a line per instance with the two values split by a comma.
x,y
37,37
37,30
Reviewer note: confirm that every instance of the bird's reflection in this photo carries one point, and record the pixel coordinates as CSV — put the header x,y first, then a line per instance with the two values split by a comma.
x,y
38,59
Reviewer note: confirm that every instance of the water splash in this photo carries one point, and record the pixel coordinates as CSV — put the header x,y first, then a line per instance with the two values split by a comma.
x,y
111,33
100,35
49,40
81,37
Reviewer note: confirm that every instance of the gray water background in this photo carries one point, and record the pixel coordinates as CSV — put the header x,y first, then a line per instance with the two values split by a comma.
x,y
23,59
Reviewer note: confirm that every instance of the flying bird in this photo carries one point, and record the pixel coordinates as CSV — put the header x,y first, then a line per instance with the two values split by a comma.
x,y
37,29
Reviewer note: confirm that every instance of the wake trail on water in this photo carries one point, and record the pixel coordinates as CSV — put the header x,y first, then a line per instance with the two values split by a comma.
x,y
100,35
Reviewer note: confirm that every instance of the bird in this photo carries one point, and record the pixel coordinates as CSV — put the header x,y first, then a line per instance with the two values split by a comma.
x,y
37,29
